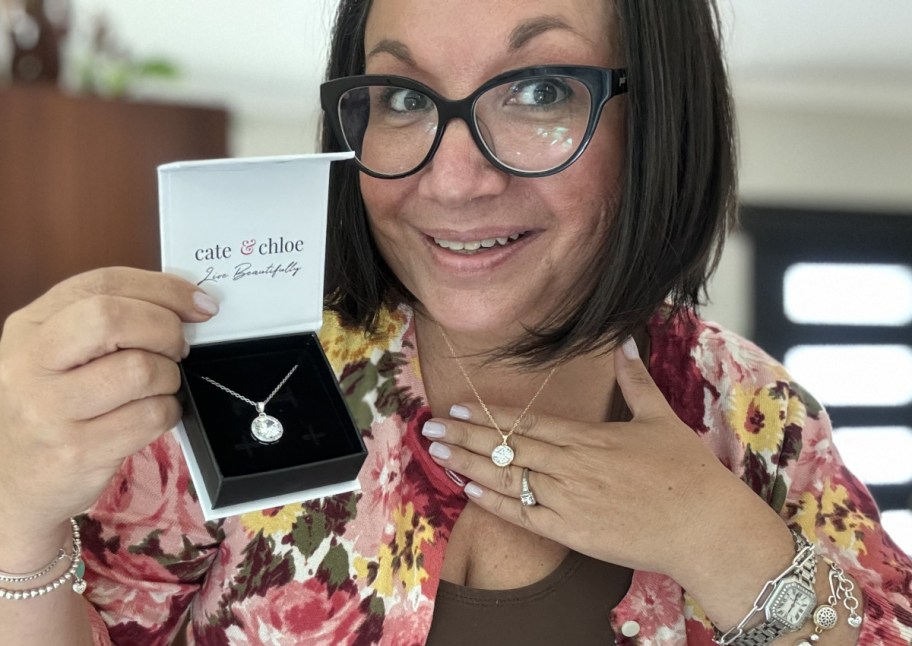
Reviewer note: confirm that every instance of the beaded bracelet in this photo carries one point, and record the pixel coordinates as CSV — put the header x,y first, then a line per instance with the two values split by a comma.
x,y
76,571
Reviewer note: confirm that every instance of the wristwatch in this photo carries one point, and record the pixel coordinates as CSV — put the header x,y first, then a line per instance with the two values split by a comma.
x,y
787,602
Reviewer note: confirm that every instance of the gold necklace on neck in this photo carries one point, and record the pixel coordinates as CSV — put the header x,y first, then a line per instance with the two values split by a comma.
x,y
502,455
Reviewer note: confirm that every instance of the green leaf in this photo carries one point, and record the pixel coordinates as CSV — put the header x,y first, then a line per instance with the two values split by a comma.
x,y
810,403
377,606
335,567
780,491
261,569
159,67
356,387
308,532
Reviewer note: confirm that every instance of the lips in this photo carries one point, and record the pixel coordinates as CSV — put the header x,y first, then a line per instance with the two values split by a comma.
x,y
468,247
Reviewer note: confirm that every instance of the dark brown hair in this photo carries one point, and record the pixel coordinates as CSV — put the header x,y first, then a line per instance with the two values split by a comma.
x,y
677,203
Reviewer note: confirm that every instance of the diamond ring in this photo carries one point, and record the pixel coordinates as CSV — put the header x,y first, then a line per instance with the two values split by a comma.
x,y
527,498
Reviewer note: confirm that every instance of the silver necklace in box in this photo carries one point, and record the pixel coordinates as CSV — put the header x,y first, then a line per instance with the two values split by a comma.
x,y
266,429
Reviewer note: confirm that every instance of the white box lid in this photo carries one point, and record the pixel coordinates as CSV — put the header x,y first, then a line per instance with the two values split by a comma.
x,y
251,232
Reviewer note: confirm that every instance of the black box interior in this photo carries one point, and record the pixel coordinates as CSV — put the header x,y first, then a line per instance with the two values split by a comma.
x,y
320,444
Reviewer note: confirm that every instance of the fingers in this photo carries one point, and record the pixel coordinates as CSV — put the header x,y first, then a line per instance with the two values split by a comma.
x,y
532,425
131,427
479,441
506,480
182,297
640,392
539,518
101,324
114,380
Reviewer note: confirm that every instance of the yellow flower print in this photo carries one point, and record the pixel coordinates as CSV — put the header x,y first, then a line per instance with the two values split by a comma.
x,y
758,417
277,520
693,610
400,560
831,516
416,366
345,345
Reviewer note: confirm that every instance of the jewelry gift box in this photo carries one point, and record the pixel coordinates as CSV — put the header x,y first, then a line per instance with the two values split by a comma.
x,y
264,422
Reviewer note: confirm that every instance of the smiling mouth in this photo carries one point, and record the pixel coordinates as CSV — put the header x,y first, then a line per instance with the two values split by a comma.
x,y
477,246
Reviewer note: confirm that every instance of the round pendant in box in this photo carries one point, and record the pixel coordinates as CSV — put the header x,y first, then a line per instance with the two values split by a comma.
x,y
266,429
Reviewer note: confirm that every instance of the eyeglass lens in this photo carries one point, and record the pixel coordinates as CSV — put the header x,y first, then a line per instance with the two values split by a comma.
x,y
531,125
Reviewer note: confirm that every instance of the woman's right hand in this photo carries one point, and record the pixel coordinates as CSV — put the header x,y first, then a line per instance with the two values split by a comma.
x,y
88,376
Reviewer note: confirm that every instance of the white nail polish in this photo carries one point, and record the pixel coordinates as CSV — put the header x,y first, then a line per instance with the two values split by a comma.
x,y
433,429
630,349
460,412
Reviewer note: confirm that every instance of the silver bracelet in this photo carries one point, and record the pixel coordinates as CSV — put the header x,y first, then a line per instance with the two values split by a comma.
x,y
76,571
826,616
6,577
785,603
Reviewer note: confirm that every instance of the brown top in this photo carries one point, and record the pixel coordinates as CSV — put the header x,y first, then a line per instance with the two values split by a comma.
x,y
570,606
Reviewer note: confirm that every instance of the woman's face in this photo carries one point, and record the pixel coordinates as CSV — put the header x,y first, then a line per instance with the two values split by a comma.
x,y
453,47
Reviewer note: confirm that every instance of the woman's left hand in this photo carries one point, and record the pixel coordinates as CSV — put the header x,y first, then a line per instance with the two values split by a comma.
x,y
647,494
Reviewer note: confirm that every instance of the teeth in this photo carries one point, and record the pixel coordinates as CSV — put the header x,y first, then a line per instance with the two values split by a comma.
x,y
487,243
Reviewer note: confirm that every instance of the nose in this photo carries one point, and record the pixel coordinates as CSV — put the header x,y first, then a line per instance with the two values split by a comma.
x,y
459,173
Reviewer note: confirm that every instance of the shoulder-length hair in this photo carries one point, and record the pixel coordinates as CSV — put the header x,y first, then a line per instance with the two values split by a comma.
x,y
677,202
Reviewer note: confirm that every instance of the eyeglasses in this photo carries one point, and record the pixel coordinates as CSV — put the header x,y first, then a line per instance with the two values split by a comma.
x,y
530,122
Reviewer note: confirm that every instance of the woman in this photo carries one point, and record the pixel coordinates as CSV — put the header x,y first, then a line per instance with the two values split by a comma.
x,y
555,453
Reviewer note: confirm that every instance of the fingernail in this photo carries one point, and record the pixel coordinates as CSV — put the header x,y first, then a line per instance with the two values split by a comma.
x,y
433,429
440,451
630,349
473,490
186,351
460,412
205,303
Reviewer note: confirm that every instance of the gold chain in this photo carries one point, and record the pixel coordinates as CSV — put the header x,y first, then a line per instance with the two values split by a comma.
x,y
504,436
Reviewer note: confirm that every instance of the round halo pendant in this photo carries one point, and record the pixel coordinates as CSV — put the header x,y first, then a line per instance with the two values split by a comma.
x,y
266,429
502,455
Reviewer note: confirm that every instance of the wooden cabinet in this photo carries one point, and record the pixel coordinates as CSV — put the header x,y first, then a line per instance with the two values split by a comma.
x,y
78,186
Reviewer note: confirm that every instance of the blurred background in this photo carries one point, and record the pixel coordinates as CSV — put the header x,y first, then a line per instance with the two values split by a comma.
x,y
95,93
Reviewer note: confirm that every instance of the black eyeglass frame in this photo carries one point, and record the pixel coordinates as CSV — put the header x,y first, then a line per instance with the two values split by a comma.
x,y
603,84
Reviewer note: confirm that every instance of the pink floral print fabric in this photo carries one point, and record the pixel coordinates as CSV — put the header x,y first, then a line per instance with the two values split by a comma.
x,y
363,568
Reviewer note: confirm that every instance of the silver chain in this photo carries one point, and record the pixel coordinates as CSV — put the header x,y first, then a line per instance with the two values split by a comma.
x,y
7,577
256,405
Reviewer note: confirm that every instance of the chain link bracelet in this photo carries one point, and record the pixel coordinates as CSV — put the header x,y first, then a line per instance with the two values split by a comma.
x,y
825,616
75,571
784,603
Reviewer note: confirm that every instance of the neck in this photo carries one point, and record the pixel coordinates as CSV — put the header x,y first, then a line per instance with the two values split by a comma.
x,y
474,348
579,388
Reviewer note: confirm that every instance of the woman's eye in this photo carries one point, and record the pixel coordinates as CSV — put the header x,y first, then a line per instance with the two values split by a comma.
x,y
539,92
400,100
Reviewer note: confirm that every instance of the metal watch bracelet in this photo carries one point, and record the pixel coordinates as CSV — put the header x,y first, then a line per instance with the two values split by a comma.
x,y
797,581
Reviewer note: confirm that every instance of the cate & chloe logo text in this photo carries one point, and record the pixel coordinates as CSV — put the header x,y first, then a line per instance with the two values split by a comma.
x,y
254,249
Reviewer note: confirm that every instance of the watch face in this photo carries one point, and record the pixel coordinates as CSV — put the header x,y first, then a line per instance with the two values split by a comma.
x,y
792,604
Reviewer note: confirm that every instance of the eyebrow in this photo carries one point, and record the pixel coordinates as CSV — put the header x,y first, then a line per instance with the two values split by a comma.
x,y
520,35
529,29
395,48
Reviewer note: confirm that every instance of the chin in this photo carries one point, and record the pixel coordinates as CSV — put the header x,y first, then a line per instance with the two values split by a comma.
x,y
474,316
